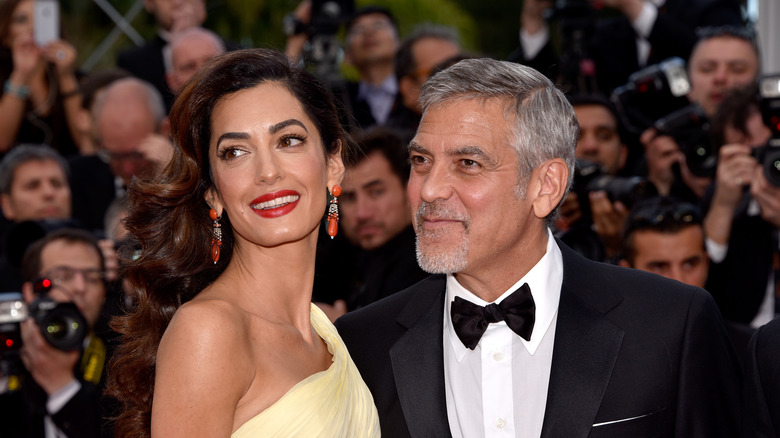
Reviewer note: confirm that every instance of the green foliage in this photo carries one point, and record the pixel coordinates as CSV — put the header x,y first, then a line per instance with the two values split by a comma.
x,y
258,23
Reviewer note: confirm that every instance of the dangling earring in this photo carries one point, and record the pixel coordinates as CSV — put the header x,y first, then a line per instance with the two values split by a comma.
x,y
333,211
216,239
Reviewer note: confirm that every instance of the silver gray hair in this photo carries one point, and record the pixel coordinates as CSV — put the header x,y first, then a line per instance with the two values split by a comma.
x,y
545,125
144,91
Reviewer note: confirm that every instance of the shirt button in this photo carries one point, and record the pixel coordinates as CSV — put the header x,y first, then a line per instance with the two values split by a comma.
x,y
500,423
498,356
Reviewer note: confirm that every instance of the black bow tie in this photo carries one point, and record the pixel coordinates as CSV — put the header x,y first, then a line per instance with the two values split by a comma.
x,y
471,320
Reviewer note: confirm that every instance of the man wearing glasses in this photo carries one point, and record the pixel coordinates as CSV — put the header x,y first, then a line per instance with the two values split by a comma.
x,y
131,134
58,394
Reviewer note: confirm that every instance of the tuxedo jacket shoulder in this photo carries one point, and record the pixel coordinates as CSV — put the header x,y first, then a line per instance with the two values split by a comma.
x,y
635,355
762,383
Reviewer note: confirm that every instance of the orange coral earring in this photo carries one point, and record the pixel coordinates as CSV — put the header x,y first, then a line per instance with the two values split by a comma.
x,y
333,211
216,239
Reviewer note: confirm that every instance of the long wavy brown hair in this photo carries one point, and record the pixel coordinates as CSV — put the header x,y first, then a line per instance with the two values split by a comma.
x,y
170,219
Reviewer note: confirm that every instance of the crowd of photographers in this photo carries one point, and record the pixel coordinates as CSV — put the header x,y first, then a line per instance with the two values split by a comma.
x,y
678,168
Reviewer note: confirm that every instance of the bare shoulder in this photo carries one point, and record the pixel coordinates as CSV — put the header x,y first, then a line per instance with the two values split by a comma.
x,y
201,353
207,320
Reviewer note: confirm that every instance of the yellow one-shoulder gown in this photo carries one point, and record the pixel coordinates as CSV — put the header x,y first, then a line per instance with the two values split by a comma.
x,y
329,404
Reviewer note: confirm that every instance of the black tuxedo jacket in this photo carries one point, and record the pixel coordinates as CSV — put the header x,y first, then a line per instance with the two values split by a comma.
x,y
762,383
647,353
93,188
739,281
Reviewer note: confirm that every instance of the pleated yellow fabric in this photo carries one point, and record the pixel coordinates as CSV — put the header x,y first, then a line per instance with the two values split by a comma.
x,y
334,403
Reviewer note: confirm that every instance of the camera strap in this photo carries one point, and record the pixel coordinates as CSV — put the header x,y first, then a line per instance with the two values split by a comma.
x,y
93,359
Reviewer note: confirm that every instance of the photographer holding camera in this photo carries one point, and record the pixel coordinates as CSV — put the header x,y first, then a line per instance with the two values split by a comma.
x,y
592,214
669,107
743,217
57,392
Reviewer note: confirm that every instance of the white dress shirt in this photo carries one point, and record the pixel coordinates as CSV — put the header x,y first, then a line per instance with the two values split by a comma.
x,y
380,98
499,389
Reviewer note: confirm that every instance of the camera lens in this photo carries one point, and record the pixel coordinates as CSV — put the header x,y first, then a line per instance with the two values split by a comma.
x,y
61,324
772,166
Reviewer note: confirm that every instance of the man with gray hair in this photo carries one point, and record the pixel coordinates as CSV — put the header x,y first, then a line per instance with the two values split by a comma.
x,y
515,334
131,133
188,51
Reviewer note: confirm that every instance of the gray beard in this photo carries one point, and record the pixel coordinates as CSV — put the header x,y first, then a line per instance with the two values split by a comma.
x,y
445,263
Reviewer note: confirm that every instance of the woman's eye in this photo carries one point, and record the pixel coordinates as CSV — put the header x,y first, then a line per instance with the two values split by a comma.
x,y
290,141
231,153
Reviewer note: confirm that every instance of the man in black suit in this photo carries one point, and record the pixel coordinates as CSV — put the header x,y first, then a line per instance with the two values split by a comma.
x,y
618,36
131,132
743,213
762,383
601,350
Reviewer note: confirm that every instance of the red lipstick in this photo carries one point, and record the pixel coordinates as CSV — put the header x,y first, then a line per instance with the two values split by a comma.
x,y
279,209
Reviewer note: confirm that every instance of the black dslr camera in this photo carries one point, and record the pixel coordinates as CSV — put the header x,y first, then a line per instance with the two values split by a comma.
x,y
322,51
769,154
589,177
652,93
690,128
61,324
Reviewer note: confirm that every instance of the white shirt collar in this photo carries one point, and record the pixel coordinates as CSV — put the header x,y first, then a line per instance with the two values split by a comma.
x,y
388,87
544,279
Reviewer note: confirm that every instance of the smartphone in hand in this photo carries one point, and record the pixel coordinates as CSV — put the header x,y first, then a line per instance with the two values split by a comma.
x,y
46,21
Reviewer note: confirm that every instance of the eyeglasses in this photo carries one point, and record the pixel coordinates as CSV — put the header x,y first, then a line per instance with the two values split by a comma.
x,y
375,26
62,275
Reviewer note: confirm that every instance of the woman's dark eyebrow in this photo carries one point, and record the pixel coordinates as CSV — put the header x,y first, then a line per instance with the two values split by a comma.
x,y
232,136
273,130
281,125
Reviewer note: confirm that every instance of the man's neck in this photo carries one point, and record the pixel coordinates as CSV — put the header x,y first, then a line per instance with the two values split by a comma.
x,y
376,73
490,281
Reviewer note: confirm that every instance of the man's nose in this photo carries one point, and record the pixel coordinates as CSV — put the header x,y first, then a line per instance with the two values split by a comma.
x,y
435,184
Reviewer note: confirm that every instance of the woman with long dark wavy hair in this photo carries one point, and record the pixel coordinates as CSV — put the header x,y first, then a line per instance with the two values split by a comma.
x,y
222,338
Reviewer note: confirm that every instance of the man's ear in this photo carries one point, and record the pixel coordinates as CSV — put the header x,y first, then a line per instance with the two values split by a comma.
x,y
336,167
170,81
623,156
27,292
550,180
8,210
624,263
165,127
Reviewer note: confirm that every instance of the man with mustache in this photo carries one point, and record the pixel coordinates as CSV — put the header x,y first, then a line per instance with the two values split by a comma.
x,y
515,334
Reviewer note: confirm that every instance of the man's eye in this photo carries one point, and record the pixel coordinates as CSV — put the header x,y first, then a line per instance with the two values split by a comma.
x,y
469,165
416,160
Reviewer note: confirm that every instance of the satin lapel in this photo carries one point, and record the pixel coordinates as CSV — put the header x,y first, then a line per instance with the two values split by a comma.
x,y
418,366
584,354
